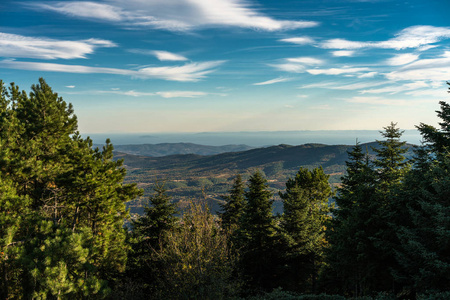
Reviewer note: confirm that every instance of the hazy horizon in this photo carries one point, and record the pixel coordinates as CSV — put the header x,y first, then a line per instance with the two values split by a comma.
x,y
254,139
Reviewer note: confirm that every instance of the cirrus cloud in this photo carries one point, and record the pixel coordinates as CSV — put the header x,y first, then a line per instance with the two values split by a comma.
x,y
13,45
411,37
174,14
184,73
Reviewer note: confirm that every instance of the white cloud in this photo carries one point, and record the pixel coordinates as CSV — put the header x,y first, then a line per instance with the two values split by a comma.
x,y
292,67
343,53
435,69
272,81
181,94
339,86
306,60
174,14
13,45
297,64
70,86
335,71
402,59
368,75
411,37
168,56
304,40
187,72
85,9
393,89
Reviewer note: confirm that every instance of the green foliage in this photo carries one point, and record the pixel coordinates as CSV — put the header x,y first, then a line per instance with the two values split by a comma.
x,y
150,234
306,210
233,208
196,262
69,199
258,238
348,233
423,253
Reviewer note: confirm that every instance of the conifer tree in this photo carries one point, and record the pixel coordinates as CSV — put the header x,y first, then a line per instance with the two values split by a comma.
x,y
149,237
306,209
74,242
234,206
259,260
389,209
348,256
423,255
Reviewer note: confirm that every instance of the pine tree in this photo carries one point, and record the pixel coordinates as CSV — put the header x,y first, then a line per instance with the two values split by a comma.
x,y
259,260
423,255
306,210
391,167
234,206
349,254
74,242
149,237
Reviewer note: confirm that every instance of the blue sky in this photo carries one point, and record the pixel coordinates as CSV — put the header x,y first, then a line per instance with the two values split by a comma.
x,y
233,65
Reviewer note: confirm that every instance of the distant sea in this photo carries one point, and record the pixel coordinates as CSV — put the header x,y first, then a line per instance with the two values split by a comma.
x,y
254,139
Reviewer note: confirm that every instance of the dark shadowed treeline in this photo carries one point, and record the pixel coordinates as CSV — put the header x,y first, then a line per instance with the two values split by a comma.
x,y
62,214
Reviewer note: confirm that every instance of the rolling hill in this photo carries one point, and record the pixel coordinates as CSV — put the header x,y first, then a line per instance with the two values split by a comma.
x,y
193,176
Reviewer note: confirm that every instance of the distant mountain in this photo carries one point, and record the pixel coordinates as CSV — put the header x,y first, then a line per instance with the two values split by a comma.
x,y
292,157
195,176
164,149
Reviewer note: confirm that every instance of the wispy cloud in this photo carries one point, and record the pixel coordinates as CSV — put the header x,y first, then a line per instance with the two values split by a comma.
x,y
379,101
393,89
13,45
187,72
402,59
174,14
335,85
297,64
272,81
168,56
305,60
434,69
368,75
411,37
343,53
336,71
303,40
181,94
163,94
70,86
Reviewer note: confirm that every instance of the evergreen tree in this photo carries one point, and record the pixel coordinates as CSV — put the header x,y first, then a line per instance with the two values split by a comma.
x,y
349,255
149,237
423,255
306,210
259,260
74,238
234,206
389,209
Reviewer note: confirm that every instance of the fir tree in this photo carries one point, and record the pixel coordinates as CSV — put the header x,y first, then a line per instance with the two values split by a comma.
x,y
149,237
74,239
234,206
306,209
349,254
259,260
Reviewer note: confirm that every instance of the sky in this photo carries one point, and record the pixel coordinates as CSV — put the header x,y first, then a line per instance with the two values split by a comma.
x,y
233,65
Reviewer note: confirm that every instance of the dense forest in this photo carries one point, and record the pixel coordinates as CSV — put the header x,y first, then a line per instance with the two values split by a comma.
x,y
65,232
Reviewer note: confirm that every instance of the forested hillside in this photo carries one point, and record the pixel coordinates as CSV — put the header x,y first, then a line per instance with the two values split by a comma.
x,y
63,216
190,176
